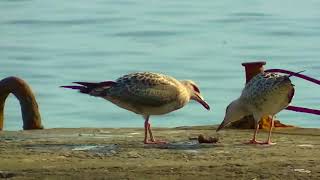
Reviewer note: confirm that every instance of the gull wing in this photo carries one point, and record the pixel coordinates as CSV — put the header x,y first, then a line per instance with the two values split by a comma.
x,y
145,89
265,85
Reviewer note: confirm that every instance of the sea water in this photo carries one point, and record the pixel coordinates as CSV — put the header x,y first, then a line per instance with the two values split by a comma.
x,y
53,43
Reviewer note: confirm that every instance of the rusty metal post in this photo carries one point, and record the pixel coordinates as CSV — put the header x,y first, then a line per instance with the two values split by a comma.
x,y
253,68
29,107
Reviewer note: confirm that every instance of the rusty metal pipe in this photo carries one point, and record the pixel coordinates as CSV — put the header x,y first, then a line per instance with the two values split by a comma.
x,y
253,68
29,107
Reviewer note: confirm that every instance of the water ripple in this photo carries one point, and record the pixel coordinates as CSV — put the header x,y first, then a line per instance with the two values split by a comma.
x,y
251,14
65,22
104,53
150,33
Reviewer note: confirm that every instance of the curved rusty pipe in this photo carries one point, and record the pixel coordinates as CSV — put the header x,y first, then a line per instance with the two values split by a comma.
x,y
29,107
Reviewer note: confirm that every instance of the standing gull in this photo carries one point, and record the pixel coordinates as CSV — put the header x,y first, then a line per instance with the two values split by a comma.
x,y
145,93
266,94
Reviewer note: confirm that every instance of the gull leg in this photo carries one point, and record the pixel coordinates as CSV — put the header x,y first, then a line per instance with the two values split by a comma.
x,y
152,138
150,133
254,139
270,130
147,128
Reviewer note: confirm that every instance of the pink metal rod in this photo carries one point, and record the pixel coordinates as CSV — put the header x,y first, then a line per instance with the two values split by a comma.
x,y
296,108
303,110
295,74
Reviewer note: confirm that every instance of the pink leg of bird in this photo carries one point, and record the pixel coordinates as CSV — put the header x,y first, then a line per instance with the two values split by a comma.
x,y
147,128
146,131
269,136
150,132
254,139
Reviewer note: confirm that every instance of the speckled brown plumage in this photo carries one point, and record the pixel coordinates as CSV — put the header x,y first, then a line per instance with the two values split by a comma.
x,y
265,94
268,93
145,93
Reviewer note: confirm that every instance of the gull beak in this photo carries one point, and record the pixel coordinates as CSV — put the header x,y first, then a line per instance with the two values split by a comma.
x,y
222,125
200,100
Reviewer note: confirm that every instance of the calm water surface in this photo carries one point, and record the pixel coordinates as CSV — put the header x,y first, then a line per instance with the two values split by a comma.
x,y
52,43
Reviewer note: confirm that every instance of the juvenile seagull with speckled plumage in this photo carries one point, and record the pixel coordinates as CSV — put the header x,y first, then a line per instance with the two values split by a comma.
x,y
265,94
145,93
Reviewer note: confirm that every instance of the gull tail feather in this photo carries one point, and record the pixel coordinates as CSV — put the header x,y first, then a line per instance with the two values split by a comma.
x,y
294,74
82,89
88,87
72,87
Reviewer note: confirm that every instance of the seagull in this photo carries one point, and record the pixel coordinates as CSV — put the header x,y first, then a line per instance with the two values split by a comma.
x,y
265,94
145,93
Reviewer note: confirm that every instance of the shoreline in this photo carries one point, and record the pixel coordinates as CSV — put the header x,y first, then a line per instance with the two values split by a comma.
x,y
119,153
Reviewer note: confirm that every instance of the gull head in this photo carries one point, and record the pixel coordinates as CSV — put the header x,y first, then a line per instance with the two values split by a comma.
x,y
234,112
194,93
